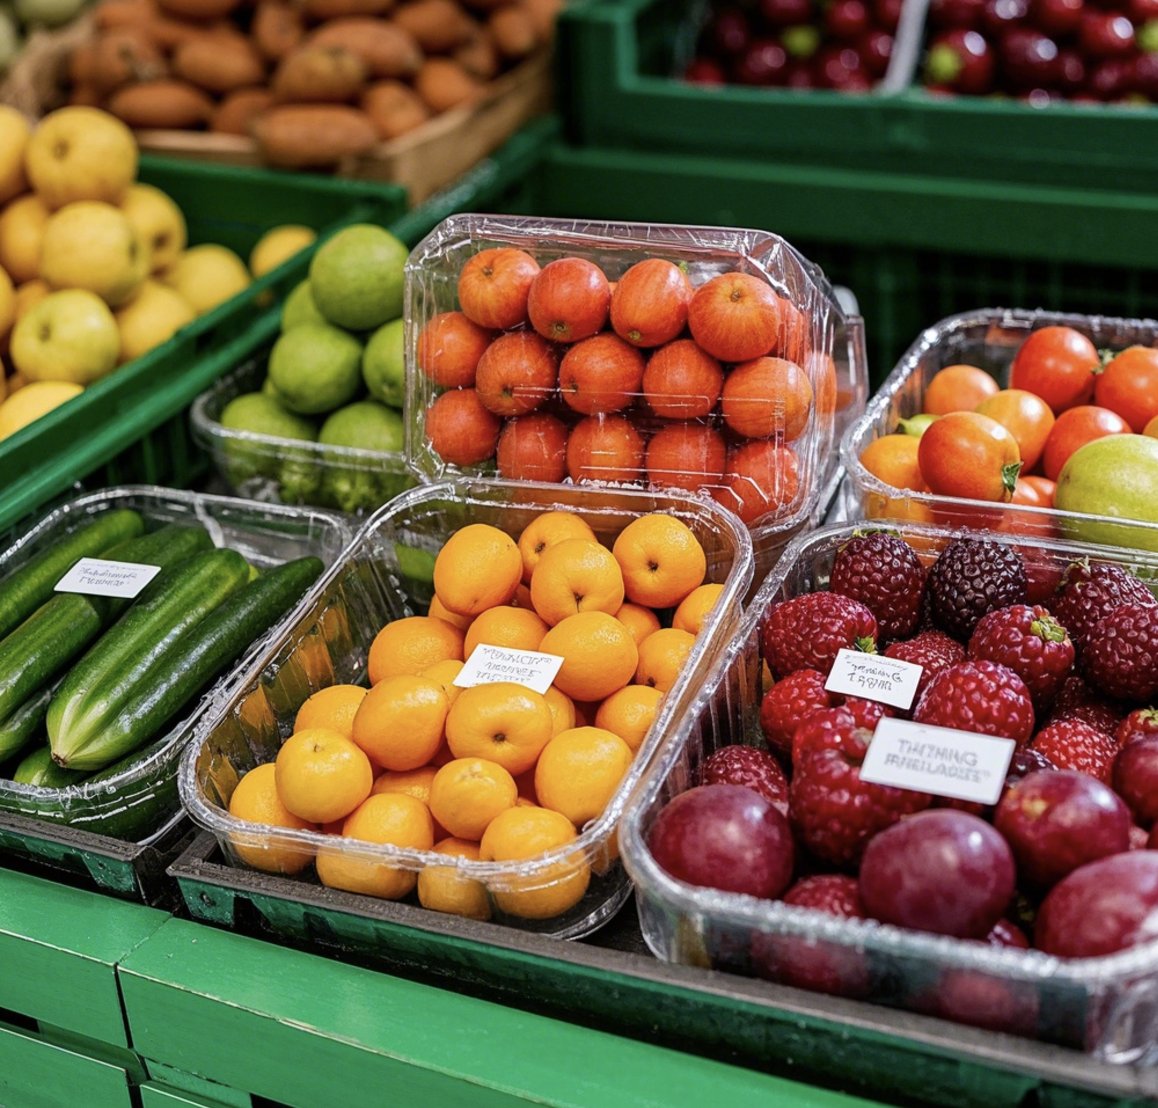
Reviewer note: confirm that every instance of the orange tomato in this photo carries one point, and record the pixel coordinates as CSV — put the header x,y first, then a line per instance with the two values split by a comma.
x,y
1044,487
1129,386
1028,492
958,388
1026,416
969,455
1075,427
893,460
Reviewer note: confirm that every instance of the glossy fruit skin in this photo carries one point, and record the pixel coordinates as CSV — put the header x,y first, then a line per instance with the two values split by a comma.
x,y
1120,658
807,631
686,456
1074,744
970,578
533,448
600,375
605,448
516,373
569,300
1027,417
1139,724
789,702
1029,641
747,765
1076,700
1105,906
735,317
767,398
943,871
1073,429
932,650
649,304
962,60
969,455
1090,591
681,381
460,429
1058,364
978,696
724,837
1128,386
883,572
1135,778
493,287
761,476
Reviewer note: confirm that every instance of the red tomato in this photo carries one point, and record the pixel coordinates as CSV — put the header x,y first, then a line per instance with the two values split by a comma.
x,y
1075,428
1044,487
1129,386
970,455
1057,363
1026,416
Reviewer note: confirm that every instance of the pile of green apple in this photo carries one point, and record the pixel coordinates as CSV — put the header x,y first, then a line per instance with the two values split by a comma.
x,y
20,18
336,377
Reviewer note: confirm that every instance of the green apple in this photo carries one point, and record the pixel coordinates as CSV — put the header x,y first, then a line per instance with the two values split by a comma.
x,y
259,414
10,42
384,364
356,485
357,277
47,13
299,307
1116,476
315,368
70,335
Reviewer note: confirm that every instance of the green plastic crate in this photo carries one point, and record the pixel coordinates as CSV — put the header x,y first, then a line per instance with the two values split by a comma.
x,y
131,427
617,88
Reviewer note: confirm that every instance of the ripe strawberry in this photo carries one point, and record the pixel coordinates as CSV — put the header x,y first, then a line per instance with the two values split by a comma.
x,y
1120,658
933,650
970,578
867,713
747,765
807,631
1090,591
1137,725
1072,744
791,700
1029,641
834,812
1076,700
883,572
979,696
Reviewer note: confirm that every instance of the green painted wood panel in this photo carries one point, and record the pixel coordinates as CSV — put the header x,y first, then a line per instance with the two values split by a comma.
x,y
37,1074
284,1024
59,947
154,1095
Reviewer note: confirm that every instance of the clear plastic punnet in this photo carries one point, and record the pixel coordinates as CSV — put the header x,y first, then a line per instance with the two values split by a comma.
x,y
137,802
1104,1005
987,338
385,575
672,375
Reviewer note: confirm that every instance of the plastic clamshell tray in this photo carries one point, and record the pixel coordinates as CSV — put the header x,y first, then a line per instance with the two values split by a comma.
x,y
140,803
1104,1005
818,324
988,338
386,575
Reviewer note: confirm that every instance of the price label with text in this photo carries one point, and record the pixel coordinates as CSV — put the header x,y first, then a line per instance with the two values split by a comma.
x,y
104,577
488,664
889,680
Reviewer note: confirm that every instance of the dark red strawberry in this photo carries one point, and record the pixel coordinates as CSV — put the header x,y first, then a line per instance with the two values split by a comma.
x,y
791,700
833,811
1120,658
970,578
1043,574
1090,591
867,713
932,650
807,631
1006,933
883,572
1137,725
979,696
1135,778
1072,744
1076,700
1029,641
747,765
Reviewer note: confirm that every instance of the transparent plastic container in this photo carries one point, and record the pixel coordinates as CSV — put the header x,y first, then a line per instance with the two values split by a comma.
x,y
987,338
825,340
140,803
289,471
1105,1005
386,575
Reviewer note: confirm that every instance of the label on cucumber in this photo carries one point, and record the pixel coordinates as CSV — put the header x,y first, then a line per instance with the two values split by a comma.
x,y
104,577
488,664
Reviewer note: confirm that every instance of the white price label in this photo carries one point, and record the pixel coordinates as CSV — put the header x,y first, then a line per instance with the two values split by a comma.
x,y
939,760
887,680
103,577
488,664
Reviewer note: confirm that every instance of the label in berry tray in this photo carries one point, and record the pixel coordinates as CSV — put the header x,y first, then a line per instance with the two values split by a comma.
x,y
488,664
938,760
875,677
104,577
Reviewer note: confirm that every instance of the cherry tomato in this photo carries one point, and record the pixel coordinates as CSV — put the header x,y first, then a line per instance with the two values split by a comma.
x,y
1025,416
1129,386
1075,427
1043,485
1057,363
970,455
957,388
1027,492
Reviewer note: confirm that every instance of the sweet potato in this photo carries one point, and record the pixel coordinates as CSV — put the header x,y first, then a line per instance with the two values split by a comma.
x,y
395,108
201,10
337,9
219,64
310,74
438,26
124,54
123,13
276,29
164,103
443,84
236,113
169,33
479,57
385,48
312,136
513,32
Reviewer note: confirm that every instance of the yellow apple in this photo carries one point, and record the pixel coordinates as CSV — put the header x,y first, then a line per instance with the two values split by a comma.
x,y
81,153
14,132
7,305
69,336
22,226
92,245
152,317
277,245
32,402
207,275
29,293
160,224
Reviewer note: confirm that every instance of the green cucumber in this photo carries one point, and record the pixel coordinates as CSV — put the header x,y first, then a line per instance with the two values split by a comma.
x,y
23,591
36,652
23,724
172,605
39,769
175,680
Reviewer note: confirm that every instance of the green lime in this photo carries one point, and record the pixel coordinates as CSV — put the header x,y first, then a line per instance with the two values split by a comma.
x,y
316,368
360,485
259,414
356,277
299,307
384,364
